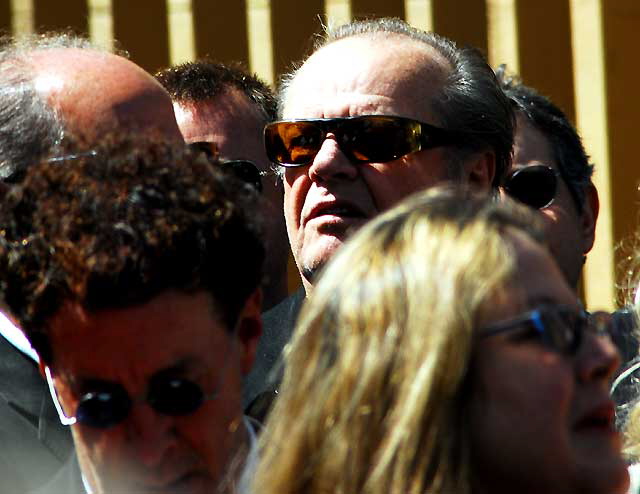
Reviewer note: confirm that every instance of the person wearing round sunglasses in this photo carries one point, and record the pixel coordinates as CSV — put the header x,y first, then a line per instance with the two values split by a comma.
x,y
442,351
379,110
135,273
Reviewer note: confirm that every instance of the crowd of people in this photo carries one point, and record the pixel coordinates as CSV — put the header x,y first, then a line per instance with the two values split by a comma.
x,y
439,213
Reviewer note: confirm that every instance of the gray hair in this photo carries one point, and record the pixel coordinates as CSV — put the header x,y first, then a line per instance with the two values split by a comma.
x,y
29,127
470,100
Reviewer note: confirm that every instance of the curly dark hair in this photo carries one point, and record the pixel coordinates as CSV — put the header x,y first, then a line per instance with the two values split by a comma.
x,y
120,225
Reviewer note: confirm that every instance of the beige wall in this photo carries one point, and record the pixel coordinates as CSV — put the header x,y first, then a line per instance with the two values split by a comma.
x,y
579,52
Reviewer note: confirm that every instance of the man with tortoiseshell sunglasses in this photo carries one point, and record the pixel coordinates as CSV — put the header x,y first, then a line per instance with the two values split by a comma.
x,y
379,110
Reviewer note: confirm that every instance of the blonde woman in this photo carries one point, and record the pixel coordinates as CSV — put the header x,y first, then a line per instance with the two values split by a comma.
x,y
443,352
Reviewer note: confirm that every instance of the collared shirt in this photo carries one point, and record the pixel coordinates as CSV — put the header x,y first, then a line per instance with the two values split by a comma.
x,y
17,338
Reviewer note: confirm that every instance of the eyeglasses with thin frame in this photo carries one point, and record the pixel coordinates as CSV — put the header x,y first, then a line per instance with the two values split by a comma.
x,y
107,403
561,328
363,139
18,175
245,170
534,185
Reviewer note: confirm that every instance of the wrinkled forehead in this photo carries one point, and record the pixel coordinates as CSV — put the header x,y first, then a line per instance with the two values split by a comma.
x,y
367,74
98,91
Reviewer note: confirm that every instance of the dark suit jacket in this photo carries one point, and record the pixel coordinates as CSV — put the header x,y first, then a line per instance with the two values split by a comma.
x,y
33,443
261,385
68,480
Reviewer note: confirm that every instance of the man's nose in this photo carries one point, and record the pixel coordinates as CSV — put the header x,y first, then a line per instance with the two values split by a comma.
x,y
597,358
331,163
150,433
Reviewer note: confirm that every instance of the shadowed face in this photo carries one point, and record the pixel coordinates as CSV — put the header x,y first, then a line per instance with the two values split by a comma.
x,y
570,233
235,125
542,421
174,336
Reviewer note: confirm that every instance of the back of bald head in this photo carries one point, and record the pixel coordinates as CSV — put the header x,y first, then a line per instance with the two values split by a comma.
x,y
61,85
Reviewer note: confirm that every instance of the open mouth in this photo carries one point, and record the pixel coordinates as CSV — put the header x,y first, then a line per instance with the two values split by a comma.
x,y
599,419
342,211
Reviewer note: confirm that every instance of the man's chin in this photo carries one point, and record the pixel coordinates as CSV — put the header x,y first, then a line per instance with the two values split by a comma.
x,y
195,483
314,260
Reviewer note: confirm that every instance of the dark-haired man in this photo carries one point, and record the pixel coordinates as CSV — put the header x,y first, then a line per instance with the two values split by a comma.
x,y
390,110
53,86
135,274
551,172
224,104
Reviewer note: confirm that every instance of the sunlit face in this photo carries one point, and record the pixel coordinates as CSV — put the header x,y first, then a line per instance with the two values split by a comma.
x,y
564,225
176,334
541,421
330,198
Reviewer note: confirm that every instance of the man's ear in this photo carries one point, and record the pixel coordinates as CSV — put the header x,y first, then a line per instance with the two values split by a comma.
x,y
589,217
480,170
249,330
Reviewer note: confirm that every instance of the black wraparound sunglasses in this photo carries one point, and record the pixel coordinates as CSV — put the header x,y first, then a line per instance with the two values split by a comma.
x,y
534,185
365,138
245,170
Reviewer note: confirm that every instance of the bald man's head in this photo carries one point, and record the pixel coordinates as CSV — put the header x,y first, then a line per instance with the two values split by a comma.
x,y
54,86
98,91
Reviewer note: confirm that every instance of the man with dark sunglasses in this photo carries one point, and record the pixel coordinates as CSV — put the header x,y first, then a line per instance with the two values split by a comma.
x,y
135,273
379,111
53,86
226,105
551,173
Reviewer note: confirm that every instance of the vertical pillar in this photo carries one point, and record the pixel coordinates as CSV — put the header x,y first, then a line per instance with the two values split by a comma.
x,y
22,18
181,33
260,39
419,13
337,12
592,121
101,23
503,34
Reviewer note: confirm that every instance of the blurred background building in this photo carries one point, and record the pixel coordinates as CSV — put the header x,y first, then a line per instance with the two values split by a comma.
x,y
580,53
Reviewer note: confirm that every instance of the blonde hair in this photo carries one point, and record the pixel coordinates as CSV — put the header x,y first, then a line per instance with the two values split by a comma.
x,y
371,399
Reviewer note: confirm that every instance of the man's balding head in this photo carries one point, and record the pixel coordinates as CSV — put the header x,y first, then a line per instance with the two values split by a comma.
x,y
57,85
96,91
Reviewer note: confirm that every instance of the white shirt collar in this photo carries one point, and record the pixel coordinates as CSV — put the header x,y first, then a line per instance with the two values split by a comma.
x,y
17,338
